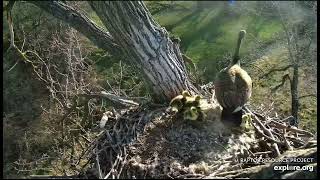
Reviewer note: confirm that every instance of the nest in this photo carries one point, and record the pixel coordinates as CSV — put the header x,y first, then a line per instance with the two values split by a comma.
x,y
144,142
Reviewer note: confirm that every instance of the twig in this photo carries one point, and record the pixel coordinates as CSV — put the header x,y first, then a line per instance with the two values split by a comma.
x,y
284,78
261,153
295,140
287,143
287,119
122,163
9,18
274,70
114,98
289,128
267,137
98,165
309,95
112,168
13,66
256,119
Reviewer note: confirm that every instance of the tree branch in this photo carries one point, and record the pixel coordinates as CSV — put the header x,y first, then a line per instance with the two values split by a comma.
x,y
81,23
120,100
9,6
307,48
274,70
282,21
309,95
284,78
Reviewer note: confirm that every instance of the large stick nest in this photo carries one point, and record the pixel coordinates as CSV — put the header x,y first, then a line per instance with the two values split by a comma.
x,y
144,142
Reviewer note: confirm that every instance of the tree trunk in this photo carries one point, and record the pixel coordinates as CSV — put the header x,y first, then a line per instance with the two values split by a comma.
x,y
134,34
295,95
147,45
295,62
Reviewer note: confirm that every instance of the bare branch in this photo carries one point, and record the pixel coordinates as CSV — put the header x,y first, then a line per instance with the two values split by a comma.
x,y
306,49
285,28
114,98
275,70
13,66
284,78
309,95
266,130
9,6
9,18
289,128
78,20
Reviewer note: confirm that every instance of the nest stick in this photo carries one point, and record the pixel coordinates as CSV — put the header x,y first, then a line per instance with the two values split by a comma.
x,y
267,131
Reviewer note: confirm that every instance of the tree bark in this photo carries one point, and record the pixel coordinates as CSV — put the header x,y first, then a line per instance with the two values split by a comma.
x,y
294,94
147,45
134,34
295,63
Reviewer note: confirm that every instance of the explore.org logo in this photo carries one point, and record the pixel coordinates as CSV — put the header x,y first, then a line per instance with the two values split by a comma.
x,y
283,167
293,168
